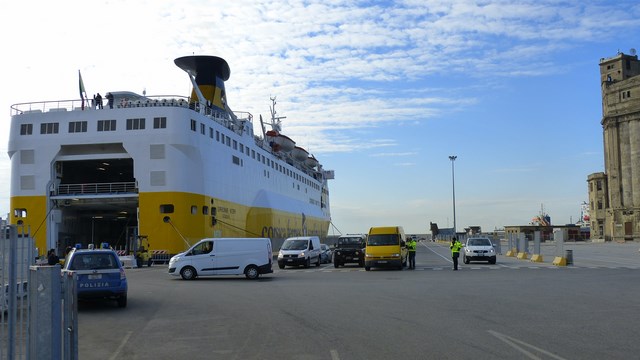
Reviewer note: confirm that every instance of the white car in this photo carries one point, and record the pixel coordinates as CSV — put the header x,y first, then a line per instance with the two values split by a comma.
x,y
479,249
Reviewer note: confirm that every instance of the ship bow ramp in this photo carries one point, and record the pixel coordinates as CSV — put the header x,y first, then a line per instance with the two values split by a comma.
x,y
210,73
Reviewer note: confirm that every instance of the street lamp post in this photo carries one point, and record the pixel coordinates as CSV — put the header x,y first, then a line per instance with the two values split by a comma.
x,y
453,182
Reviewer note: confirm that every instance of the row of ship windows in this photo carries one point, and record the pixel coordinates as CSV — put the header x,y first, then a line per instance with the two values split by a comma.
x,y
102,125
161,123
169,209
226,140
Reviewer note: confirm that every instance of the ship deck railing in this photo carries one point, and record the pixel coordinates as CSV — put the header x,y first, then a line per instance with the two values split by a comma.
x,y
96,188
146,101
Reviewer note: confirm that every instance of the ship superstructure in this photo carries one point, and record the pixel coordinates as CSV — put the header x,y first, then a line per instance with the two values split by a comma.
x,y
171,169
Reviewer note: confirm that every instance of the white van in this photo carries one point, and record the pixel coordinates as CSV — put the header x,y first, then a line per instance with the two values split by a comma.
x,y
302,250
224,256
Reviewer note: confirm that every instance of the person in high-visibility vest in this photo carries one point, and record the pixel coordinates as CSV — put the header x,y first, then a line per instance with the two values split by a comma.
x,y
411,246
455,251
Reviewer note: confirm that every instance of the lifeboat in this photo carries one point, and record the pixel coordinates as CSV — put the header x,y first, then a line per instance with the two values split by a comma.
x,y
299,153
284,143
311,162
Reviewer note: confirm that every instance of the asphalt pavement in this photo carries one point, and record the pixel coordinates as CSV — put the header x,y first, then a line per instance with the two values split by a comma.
x,y
515,309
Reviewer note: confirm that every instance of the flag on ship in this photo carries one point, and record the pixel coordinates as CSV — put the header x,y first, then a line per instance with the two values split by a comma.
x,y
83,92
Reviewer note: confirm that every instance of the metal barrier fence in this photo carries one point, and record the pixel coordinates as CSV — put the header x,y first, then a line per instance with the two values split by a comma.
x,y
17,254
38,306
160,257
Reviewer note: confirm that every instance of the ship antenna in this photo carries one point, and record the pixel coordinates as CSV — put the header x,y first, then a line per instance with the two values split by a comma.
x,y
276,123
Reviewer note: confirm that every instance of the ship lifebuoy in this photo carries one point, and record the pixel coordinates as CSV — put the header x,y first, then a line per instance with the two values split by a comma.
x,y
272,133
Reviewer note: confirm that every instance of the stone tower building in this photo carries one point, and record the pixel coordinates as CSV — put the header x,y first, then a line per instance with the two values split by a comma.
x,y
614,196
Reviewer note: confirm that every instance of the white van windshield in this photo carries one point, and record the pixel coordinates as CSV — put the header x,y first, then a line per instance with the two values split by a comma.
x,y
295,245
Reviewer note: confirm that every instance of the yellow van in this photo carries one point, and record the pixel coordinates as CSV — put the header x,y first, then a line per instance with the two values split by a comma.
x,y
386,247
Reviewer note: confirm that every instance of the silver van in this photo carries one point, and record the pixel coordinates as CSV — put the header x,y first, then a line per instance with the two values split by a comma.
x,y
302,250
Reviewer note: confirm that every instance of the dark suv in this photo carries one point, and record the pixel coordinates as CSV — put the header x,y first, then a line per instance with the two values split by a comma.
x,y
349,249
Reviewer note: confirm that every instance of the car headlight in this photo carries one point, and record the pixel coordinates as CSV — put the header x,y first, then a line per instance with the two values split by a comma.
x,y
492,250
301,255
280,256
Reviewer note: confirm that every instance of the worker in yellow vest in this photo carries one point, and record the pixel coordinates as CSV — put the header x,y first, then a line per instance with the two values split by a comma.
x,y
455,251
411,246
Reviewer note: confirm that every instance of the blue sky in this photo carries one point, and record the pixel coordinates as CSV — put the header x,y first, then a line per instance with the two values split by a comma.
x,y
381,92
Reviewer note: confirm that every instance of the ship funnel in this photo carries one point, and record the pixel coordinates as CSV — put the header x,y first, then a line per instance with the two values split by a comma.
x,y
209,73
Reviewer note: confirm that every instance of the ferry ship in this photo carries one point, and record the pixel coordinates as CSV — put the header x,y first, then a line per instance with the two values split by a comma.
x,y
168,169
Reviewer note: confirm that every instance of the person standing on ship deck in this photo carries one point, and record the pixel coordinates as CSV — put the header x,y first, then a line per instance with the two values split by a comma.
x,y
99,101
110,100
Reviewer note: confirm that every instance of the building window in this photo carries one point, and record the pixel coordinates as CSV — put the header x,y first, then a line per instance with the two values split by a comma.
x,y
193,125
160,122
599,205
194,210
135,124
202,129
77,126
205,210
599,184
49,128
211,133
235,145
236,160
106,125
26,129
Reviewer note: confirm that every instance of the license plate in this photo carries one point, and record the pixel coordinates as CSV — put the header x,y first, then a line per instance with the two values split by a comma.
x,y
382,262
289,260
95,276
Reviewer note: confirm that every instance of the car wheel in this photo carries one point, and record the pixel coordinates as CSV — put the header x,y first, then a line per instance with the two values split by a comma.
x,y
367,268
466,260
251,272
318,262
281,266
188,273
492,261
122,301
336,264
307,264
361,263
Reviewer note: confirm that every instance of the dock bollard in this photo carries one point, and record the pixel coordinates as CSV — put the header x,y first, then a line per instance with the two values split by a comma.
x,y
569,256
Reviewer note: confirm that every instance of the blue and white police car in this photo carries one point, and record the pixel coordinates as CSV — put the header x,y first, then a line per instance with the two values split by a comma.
x,y
100,274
